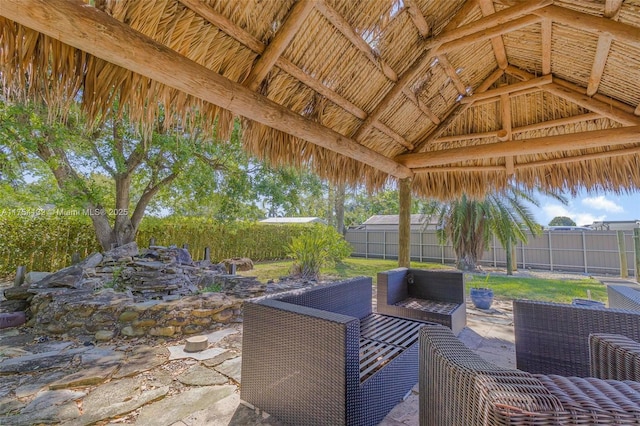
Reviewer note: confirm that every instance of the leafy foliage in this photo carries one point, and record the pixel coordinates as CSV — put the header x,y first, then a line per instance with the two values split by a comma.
x,y
318,246
562,221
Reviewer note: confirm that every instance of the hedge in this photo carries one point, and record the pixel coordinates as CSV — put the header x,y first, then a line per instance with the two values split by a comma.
x,y
45,241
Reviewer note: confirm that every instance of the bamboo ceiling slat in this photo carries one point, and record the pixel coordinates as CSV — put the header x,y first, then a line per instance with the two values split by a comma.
x,y
572,54
627,58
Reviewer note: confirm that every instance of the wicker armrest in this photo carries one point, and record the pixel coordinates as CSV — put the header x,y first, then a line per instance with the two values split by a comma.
x,y
613,356
458,387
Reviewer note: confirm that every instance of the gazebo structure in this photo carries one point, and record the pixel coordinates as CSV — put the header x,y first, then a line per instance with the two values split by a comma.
x,y
445,96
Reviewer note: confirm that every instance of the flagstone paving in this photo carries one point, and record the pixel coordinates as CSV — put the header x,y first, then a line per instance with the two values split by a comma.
x,y
143,381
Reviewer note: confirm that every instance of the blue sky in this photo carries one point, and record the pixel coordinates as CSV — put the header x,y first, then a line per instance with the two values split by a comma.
x,y
586,208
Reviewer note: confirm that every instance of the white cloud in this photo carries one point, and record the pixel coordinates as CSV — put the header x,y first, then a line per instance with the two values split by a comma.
x,y
602,203
580,218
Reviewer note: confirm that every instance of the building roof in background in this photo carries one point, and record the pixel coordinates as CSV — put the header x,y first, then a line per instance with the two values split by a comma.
x,y
293,220
394,219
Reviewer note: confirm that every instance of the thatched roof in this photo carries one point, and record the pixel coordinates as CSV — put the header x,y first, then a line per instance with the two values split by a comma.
x,y
459,95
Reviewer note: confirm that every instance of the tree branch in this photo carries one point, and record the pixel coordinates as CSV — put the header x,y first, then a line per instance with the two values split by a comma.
x,y
149,192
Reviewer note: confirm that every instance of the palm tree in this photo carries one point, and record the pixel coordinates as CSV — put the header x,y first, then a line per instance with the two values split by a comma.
x,y
470,223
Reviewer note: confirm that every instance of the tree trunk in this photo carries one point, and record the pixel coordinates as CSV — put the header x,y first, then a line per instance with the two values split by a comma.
x,y
339,208
509,254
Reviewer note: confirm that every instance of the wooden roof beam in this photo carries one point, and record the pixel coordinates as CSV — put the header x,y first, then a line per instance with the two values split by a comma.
x,y
393,135
530,127
424,29
450,71
487,8
497,168
599,62
603,105
457,110
345,28
242,36
298,14
499,23
612,9
620,32
568,142
421,106
515,87
546,29
98,34
592,104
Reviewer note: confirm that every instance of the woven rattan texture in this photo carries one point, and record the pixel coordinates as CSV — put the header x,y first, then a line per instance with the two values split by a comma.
x,y
553,338
623,297
319,357
457,387
614,357
435,296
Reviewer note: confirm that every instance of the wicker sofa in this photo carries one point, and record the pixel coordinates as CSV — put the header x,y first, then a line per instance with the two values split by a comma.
x,y
553,338
624,297
428,295
322,357
458,387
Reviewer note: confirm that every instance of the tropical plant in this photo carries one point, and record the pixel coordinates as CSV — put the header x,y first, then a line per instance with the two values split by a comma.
x,y
470,223
319,246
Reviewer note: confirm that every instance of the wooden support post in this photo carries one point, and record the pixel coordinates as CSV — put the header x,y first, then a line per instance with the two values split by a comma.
x,y
20,274
404,225
622,251
207,253
636,251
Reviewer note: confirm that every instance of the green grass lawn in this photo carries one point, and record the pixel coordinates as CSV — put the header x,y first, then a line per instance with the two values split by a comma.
x,y
505,288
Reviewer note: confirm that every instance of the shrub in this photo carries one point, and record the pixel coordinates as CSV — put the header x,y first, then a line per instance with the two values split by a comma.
x,y
318,246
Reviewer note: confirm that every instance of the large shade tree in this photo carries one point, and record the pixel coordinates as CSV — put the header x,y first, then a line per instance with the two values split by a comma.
x,y
469,223
111,171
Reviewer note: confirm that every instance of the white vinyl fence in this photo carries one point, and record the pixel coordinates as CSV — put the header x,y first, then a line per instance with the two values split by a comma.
x,y
589,252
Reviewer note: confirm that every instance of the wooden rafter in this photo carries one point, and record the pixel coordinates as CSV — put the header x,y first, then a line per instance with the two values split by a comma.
x,y
547,28
620,32
603,105
530,127
98,34
499,23
424,29
456,111
505,110
450,71
573,141
515,87
422,106
345,28
487,8
541,163
299,12
242,36
393,135
599,62
612,9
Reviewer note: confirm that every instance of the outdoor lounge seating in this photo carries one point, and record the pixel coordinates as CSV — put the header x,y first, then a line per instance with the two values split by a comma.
x,y
458,387
428,295
321,357
624,297
553,338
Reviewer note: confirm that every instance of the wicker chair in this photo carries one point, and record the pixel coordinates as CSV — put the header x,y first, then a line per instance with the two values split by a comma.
x,y
428,295
458,387
321,357
553,338
624,297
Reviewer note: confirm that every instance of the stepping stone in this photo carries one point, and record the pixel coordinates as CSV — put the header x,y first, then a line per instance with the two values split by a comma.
x,y
216,336
177,352
48,407
175,408
35,384
38,362
85,377
231,368
115,399
142,359
218,359
201,376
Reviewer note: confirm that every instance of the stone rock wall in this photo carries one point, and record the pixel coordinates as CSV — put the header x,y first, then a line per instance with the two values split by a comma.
x,y
107,314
